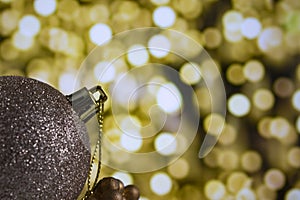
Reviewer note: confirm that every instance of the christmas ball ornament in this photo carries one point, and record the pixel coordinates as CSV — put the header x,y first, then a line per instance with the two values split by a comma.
x,y
44,145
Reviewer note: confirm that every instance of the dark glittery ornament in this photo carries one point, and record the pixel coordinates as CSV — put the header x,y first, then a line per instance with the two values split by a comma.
x,y
44,146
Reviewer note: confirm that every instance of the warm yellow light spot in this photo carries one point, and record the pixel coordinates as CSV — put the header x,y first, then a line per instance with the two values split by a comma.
x,y
270,38
296,100
293,194
213,38
165,144
263,192
214,189
235,74
298,124
239,105
9,20
99,13
233,36
264,127
263,99
251,161
211,159
137,55
161,183
160,2
254,71
44,7
283,87
100,34
169,98
190,73
8,51
232,20
279,127
274,179
228,160
298,72
164,17
104,72
236,181
179,169
250,28
228,135
22,42
126,178
293,157
213,124
159,46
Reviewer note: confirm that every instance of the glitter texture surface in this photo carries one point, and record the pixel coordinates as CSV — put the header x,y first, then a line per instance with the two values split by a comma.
x,y
44,149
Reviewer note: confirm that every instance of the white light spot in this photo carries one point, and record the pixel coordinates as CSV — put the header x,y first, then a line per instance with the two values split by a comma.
x,y
132,142
293,194
190,73
164,17
29,25
137,55
159,46
232,20
104,72
22,42
165,144
296,100
44,7
298,124
124,177
269,38
100,34
169,98
250,28
161,183
66,82
239,105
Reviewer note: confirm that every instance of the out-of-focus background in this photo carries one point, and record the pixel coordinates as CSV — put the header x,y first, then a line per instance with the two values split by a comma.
x,y
254,43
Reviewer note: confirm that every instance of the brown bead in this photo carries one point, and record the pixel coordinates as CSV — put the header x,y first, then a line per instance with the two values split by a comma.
x,y
131,192
108,185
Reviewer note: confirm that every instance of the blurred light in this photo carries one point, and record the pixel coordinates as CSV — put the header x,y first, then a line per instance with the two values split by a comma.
x,y
161,183
137,55
159,46
264,127
190,73
130,123
165,144
296,100
29,25
9,19
274,179
44,7
254,70
250,28
237,181
283,87
99,13
66,82
293,194
263,99
164,16
8,51
104,72
251,161
279,127
228,160
263,192
298,124
22,42
160,2
246,194
179,169
132,142
232,20
233,36
126,178
100,34
214,189
228,135
293,157
213,38
213,124
169,98
269,38
235,75
239,105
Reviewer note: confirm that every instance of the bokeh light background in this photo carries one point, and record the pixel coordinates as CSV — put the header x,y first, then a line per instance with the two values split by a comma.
x,y
254,43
